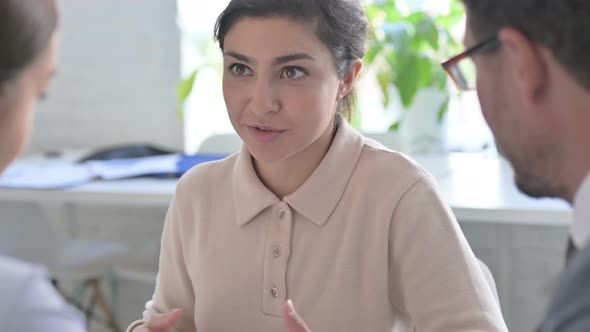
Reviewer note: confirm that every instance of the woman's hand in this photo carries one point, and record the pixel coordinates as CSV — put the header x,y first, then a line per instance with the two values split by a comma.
x,y
293,321
160,322
165,322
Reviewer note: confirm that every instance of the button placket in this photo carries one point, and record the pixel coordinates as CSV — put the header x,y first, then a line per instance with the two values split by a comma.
x,y
276,259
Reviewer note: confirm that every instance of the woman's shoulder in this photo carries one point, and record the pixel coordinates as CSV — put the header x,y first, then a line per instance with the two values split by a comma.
x,y
16,274
14,267
380,161
206,175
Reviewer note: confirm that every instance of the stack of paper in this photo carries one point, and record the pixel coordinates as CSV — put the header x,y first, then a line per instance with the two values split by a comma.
x,y
58,174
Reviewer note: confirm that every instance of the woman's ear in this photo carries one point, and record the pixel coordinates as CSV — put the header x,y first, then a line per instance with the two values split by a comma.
x,y
350,79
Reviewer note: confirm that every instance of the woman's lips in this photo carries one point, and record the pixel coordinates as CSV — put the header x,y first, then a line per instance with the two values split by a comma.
x,y
264,134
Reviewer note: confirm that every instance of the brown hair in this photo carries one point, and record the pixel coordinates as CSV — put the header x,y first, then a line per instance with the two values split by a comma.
x,y
26,28
563,26
341,25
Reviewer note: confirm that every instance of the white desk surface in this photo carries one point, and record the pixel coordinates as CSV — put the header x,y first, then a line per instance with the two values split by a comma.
x,y
479,188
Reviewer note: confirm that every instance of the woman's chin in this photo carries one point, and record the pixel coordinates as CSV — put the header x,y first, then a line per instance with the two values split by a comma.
x,y
266,154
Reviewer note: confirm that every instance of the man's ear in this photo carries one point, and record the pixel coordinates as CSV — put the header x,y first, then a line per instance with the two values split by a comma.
x,y
525,65
350,79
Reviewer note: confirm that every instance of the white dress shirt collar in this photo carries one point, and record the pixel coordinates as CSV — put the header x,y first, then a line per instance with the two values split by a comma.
x,y
580,229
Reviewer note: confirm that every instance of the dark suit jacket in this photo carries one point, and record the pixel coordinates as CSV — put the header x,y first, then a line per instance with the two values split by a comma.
x,y
569,310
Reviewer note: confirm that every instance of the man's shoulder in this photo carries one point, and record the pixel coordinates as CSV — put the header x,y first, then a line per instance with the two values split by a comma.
x,y
570,306
575,280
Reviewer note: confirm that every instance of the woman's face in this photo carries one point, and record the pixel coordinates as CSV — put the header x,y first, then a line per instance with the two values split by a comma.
x,y
280,86
19,100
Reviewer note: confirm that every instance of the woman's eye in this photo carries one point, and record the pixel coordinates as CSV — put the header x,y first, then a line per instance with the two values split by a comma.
x,y
240,70
292,73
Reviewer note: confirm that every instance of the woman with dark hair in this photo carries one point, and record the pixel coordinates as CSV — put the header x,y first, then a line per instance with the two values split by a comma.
x,y
309,210
28,41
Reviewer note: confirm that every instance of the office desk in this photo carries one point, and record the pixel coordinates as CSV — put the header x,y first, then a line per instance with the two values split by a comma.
x,y
477,187
137,191
481,188
521,239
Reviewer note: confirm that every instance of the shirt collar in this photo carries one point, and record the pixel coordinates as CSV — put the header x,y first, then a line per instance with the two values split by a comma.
x,y
580,229
318,197
251,197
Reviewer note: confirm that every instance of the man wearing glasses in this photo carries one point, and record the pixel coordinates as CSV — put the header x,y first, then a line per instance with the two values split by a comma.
x,y
532,60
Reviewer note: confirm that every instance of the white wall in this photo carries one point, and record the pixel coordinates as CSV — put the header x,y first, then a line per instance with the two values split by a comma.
x,y
117,77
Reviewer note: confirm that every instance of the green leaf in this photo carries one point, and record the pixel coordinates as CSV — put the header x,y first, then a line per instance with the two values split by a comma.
x,y
375,48
400,35
384,78
373,12
183,90
416,17
427,30
407,81
395,126
185,87
391,11
455,16
424,70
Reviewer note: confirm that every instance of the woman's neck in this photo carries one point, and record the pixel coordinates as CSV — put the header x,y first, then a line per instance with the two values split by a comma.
x,y
284,177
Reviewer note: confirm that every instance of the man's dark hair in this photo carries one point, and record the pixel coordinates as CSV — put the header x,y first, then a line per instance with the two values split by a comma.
x,y
340,24
563,26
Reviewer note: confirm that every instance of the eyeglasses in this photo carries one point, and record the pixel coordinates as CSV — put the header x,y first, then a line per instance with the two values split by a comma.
x,y
461,67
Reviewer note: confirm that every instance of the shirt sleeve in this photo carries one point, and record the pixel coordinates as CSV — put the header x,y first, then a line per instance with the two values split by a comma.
x,y
433,274
41,308
173,287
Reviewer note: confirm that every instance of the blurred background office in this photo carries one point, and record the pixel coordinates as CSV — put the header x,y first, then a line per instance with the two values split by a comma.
x,y
119,83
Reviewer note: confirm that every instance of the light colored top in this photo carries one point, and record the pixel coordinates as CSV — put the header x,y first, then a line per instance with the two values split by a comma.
x,y
30,303
580,229
365,244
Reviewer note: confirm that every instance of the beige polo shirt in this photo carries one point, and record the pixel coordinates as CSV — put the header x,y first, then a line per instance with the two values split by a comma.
x,y
365,244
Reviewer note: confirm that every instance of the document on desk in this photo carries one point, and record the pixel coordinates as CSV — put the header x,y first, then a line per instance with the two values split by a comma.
x,y
125,168
54,174
60,174
50,175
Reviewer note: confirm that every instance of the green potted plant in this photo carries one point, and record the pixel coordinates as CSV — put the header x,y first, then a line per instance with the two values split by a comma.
x,y
405,52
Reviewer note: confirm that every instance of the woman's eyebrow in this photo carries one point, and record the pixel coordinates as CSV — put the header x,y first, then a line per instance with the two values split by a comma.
x,y
239,57
277,61
291,57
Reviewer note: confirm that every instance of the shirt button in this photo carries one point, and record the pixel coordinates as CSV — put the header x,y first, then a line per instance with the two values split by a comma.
x,y
277,251
281,213
274,292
